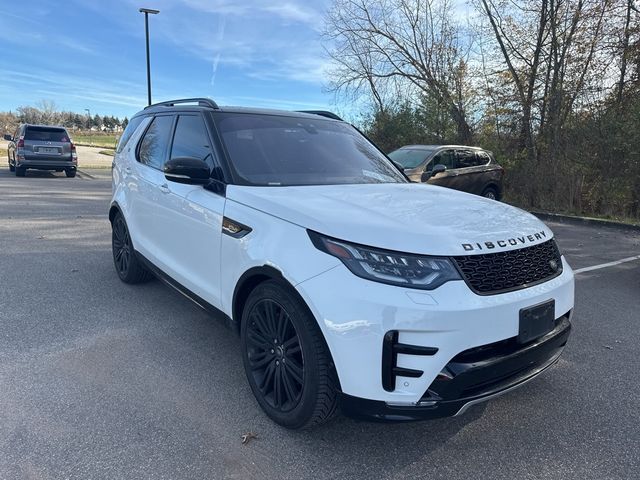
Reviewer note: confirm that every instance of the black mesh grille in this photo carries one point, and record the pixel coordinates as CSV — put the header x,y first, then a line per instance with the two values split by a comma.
x,y
498,272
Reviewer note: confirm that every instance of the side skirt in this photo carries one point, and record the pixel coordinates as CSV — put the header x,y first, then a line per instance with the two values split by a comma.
x,y
201,302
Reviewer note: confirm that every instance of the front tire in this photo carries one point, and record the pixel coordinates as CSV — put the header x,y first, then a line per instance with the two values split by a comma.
x,y
285,358
20,171
128,266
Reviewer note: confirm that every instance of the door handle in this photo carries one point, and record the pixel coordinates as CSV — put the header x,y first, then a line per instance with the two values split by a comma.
x,y
127,170
164,188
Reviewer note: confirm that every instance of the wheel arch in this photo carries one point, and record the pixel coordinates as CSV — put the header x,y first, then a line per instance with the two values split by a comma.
x,y
247,282
113,210
253,277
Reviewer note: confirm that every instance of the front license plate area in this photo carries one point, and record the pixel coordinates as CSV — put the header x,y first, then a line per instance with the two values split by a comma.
x,y
537,321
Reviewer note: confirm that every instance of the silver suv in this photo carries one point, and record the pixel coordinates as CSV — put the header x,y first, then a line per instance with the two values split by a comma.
x,y
43,148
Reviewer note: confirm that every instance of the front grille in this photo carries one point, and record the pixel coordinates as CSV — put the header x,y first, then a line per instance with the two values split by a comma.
x,y
501,272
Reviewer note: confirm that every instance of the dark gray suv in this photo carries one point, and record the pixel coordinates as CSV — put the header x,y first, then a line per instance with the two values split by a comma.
x,y
469,169
43,148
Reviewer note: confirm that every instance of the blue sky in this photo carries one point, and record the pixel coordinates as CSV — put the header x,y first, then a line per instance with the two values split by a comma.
x,y
90,54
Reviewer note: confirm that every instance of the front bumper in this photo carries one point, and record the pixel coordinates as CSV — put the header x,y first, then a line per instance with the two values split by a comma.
x,y
472,377
355,315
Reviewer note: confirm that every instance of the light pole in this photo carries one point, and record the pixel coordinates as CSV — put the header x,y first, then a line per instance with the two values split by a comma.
x,y
89,115
146,12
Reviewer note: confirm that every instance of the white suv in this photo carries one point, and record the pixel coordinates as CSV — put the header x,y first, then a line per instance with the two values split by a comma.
x,y
347,284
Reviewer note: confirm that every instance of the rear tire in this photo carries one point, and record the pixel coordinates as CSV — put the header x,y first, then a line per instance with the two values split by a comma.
x,y
20,171
128,266
286,360
491,193
70,173
12,168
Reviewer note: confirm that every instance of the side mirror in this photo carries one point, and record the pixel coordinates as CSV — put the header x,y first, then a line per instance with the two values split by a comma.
x,y
8,138
187,170
439,168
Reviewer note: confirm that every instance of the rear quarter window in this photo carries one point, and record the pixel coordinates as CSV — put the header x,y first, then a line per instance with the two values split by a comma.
x,y
128,132
483,158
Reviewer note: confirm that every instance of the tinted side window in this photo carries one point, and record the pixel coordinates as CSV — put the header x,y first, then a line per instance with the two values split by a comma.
x,y
446,158
483,158
467,158
153,148
128,132
190,139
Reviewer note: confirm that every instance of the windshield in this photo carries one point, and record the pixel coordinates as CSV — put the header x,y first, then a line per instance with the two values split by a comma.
x,y
410,158
279,151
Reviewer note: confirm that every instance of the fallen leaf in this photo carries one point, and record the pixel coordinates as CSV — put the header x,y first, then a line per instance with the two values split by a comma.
x,y
247,437
608,347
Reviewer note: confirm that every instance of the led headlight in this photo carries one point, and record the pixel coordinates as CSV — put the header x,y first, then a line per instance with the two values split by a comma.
x,y
384,266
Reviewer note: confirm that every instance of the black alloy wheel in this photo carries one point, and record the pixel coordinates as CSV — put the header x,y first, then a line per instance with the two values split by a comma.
x,y
128,266
286,360
275,355
122,249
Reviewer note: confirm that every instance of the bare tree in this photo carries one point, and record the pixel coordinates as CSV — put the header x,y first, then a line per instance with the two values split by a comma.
x,y
386,48
522,60
48,111
625,50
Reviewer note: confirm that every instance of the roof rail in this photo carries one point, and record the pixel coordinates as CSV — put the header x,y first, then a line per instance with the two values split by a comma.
x,y
203,102
322,113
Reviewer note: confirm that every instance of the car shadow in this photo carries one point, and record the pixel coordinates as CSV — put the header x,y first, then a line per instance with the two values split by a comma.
x,y
45,174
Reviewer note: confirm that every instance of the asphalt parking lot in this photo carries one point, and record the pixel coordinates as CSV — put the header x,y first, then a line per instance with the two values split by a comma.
x,y
99,379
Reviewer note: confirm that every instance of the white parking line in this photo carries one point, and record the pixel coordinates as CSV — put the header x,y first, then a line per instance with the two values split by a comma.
x,y
605,265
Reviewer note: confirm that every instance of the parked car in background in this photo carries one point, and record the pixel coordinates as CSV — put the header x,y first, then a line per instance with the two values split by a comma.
x,y
41,147
469,169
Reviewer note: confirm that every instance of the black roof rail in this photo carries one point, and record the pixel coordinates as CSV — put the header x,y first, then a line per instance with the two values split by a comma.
x,y
203,102
322,113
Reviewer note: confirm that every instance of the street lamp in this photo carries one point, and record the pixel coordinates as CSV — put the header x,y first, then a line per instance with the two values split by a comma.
x,y
89,115
146,12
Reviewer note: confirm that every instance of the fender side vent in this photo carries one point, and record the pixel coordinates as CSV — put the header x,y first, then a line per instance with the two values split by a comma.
x,y
390,350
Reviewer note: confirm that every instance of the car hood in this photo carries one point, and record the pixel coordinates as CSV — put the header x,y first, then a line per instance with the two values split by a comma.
x,y
413,218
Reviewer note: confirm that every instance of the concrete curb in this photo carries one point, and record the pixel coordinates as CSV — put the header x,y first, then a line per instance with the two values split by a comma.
x,y
598,222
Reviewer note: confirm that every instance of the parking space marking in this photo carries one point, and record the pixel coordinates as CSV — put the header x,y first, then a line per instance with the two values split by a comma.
x,y
605,265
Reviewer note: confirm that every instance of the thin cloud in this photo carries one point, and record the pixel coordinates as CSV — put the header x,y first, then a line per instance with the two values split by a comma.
x,y
266,41
293,12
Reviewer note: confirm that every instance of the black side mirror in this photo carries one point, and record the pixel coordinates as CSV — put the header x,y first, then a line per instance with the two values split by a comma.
x,y
439,168
8,138
187,170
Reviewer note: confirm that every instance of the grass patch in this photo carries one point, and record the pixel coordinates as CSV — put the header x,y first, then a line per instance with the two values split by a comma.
x,y
95,139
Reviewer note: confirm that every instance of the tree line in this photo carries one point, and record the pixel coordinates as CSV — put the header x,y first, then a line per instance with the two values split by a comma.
x,y
552,87
46,113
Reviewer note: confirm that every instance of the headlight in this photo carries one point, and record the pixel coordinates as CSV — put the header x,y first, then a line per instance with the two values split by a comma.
x,y
384,266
